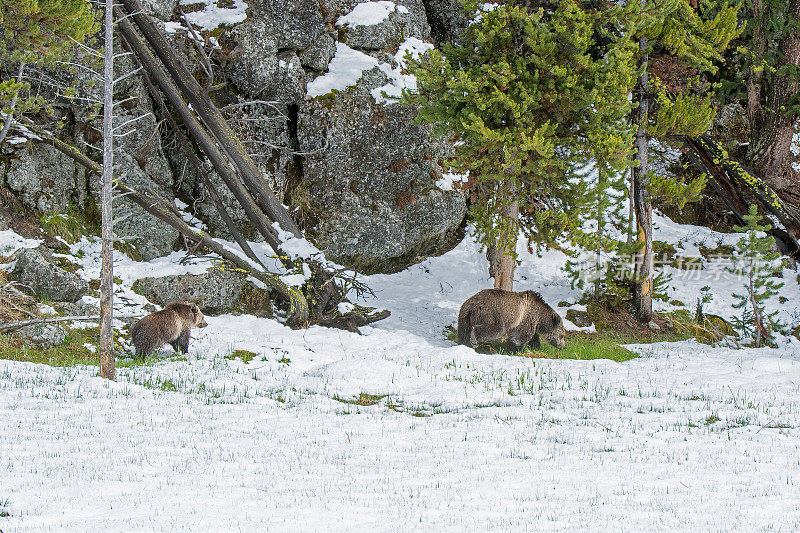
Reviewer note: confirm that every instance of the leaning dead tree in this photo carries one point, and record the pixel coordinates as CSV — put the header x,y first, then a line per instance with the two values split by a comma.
x,y
209,114
732,182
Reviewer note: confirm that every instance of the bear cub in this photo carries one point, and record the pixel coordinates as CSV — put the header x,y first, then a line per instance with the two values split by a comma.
x,y
170,325
522,316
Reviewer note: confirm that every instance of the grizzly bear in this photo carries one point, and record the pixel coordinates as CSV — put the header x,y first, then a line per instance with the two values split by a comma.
x,y
170,325
522,316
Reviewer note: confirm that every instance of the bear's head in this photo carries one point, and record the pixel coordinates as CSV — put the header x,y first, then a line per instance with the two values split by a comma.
x,y
556,335
199,319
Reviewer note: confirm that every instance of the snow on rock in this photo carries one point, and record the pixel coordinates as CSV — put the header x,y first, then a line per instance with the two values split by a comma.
x,y
449,178
213,15
398,79
10,242
370,13
344,71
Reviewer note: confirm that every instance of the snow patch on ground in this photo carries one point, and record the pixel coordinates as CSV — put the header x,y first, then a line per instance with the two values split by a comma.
x,y
398,429
10,242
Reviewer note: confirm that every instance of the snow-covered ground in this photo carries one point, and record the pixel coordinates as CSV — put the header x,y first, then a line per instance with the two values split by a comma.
x,y
686,437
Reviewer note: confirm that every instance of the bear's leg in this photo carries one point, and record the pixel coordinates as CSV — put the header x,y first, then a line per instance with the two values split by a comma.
x,y
487,332
516,341
537,343
176,345
183,342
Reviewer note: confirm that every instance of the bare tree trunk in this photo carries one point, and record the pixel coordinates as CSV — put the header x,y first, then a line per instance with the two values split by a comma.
x,y
107,363
10,117
643,275
505,258
771,124
211,117
195,161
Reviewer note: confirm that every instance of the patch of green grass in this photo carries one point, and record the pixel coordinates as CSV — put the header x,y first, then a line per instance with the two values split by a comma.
x,y
244,355
69,226
601,345
72,352
712,419
168,386
583,346
362,399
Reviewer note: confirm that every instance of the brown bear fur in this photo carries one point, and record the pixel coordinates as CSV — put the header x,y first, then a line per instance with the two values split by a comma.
x,y
170,325
522,316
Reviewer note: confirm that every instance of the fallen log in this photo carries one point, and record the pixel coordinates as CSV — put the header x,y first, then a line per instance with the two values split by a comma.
x,y
298,306
211,116
729,178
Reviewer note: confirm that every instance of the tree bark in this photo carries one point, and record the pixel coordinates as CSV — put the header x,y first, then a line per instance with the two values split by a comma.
x,y
211,116
195,162
107,362
728,179
643,261
771,124
504,259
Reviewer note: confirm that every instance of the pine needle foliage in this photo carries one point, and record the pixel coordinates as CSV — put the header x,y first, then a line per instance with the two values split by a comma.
x,y
39,34
755,257
529,97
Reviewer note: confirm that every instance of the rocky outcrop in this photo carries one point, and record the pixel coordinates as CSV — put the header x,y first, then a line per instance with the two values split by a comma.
x,y
45,180
41,336
45,280
403,19
447,19
217,291
364,181
354,168
375,183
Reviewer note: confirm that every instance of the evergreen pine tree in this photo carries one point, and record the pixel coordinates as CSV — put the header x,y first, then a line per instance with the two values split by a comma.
x,y
37,33
756,258
531,97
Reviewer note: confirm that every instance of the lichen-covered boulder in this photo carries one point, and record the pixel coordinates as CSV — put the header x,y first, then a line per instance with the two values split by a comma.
x,y
263,59
383,24
41,336
45,280
373,189
319,53
217,291
45,179
447,18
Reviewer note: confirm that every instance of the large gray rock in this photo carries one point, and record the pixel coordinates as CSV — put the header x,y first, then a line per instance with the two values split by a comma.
x,y
217,291
41,336
263,60
162,9
408,19
45,179
319,53
373,188
45,280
